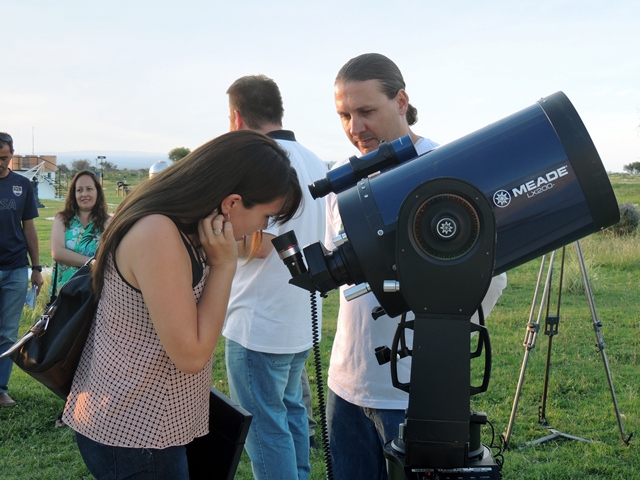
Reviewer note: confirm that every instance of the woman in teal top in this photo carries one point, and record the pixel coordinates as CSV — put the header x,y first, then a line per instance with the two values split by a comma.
x,y
77,228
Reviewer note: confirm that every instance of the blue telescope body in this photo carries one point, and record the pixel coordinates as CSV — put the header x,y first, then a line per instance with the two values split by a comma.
x,y
427,233
538,168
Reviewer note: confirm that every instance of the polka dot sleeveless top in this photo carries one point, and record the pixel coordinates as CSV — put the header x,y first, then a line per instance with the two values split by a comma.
x,y
126,391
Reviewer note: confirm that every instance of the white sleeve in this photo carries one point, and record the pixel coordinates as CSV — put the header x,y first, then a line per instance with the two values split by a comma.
x,y
333,220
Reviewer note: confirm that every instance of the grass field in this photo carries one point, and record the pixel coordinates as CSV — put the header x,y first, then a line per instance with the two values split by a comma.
x,y
579,401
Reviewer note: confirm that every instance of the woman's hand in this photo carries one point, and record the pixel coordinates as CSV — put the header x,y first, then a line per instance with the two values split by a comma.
x,y
59,251
188,330
217,240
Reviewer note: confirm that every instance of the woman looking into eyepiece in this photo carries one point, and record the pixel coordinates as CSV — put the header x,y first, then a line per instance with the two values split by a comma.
x,y
163,272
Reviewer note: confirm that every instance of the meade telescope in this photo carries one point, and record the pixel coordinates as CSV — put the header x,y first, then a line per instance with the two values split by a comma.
x,y
427,233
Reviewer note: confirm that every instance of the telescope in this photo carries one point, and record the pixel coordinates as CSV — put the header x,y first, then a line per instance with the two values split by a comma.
x,y
427,233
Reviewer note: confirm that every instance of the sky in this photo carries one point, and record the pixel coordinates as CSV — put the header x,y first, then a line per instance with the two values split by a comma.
x,y
151,75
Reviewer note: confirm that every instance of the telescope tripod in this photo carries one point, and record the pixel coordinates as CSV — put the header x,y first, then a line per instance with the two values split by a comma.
x,y
552,322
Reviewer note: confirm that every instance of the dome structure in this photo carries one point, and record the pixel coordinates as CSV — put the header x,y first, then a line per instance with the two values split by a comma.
x,y
157,168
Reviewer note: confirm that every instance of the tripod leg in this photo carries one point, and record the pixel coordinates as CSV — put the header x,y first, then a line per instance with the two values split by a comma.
x,y
530,339
551,329
597,325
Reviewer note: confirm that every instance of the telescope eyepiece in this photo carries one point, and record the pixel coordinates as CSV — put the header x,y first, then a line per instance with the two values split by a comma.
x,y
289,252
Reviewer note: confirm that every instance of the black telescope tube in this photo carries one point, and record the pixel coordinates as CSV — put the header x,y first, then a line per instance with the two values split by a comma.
x,y
584,158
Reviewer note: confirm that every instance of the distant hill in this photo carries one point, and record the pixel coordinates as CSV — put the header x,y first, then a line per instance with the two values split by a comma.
x,y
130,160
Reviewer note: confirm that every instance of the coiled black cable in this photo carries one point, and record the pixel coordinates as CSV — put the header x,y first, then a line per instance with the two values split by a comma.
x,y
496,447
320,384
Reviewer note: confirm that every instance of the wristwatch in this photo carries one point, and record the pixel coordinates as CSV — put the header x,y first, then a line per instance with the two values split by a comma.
x,y
37,268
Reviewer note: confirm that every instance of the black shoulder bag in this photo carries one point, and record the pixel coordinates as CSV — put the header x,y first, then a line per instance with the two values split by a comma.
x,y
51,349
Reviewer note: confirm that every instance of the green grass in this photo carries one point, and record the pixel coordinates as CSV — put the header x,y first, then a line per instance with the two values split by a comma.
x,y
579,402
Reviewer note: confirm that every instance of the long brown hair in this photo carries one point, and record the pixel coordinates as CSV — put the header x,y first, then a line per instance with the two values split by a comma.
x,y
99,212
244,162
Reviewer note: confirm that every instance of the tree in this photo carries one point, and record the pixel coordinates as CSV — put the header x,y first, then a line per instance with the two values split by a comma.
x,y
632,167
62,168
82,164
178,153
108,166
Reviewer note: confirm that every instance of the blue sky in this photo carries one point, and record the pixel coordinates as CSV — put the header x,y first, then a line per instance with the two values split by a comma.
x,y
148,76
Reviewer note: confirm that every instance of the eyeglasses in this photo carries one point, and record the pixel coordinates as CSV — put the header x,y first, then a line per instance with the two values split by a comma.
x,y
5,137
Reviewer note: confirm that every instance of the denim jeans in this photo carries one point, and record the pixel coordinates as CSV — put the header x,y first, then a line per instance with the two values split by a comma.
x,y
269,387
115,463
307,399
357,436
13,291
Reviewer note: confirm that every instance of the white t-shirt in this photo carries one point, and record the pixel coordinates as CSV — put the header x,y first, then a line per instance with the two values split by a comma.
x,y
266,313
354,372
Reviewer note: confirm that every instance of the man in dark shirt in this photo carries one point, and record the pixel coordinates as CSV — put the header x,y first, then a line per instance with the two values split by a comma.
x,y
18,237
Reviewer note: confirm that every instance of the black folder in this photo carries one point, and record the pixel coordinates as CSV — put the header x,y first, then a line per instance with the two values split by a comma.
x,y
216,455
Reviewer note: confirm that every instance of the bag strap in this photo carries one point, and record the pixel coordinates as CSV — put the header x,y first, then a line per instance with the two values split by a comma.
x,y
54,293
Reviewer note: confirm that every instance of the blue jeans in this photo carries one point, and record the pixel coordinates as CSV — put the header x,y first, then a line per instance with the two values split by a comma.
x,y
357,436
13,291
269,386
115,463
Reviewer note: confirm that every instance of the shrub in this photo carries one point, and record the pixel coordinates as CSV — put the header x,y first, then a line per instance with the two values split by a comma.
x,y
629,220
